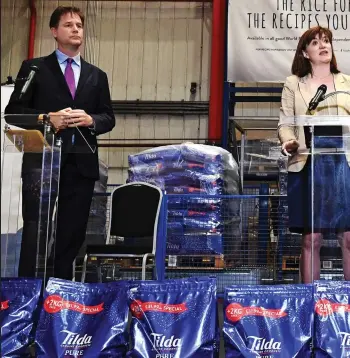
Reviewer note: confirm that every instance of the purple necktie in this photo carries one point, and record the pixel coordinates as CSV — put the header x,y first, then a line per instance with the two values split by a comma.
x,y
69,76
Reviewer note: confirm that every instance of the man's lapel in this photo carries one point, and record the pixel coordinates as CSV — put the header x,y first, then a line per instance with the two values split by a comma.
x,y
85,73
55,68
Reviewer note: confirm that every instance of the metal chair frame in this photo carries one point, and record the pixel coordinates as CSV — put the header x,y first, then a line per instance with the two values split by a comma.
x,y
108,239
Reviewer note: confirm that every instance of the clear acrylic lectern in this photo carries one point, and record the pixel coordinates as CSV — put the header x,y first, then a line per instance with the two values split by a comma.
x,y
21,145
319,186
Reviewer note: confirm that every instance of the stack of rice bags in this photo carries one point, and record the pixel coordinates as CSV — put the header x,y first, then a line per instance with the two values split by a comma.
x,y
197,223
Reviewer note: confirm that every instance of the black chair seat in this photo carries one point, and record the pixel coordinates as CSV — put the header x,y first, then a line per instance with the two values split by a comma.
x,y
133,215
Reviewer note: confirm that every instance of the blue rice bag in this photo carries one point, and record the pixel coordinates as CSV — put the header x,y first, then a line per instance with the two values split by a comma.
x,y
211,223
195,244
202,153
174,319
192,213
204,168
193,190
19,301
161,154
194,203
83,319
189,224
268,321
332,319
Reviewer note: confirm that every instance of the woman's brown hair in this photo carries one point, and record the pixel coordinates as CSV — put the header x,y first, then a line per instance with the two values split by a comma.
x,y
301,66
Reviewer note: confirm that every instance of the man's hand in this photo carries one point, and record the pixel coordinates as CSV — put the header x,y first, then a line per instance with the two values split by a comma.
x,y
290,147
59,119
79,118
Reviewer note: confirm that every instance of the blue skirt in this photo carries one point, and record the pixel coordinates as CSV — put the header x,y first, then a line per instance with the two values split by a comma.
x,y
331,192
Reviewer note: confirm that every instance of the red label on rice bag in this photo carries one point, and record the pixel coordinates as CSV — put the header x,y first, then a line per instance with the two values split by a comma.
x,y
138,308
235,312
4,305
55,304
326,308
332,319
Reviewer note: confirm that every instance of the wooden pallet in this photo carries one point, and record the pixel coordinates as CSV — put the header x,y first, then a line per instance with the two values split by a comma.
x,y
290,263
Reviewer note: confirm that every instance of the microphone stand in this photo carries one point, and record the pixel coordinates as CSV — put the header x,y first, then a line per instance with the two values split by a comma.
x,y
44,118
9,81
335,93
310,111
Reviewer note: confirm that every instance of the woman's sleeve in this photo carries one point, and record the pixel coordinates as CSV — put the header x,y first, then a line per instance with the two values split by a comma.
x,y
286,129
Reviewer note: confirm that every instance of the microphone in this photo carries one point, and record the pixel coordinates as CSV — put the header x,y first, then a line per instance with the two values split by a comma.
x,y
319,97
34,70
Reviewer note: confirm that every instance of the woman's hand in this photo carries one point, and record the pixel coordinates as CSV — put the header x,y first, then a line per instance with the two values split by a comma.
x,y
289,147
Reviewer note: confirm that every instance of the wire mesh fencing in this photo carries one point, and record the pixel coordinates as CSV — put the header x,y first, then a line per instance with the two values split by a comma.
x,y
239,239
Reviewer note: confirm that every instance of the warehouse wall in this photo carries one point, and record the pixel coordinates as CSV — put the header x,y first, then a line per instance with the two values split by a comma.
x,y
150,51
14,36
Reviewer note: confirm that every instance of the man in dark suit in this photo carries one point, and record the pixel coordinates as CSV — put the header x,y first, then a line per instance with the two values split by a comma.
x,y
76,95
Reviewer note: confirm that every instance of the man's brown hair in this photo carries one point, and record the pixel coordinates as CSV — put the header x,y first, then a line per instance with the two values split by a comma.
x,y
62,10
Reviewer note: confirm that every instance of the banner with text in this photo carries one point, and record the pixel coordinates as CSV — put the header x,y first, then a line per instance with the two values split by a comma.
x,y
263,35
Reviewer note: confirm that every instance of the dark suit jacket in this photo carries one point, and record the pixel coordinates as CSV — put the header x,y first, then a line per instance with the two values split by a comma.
x,y
49,92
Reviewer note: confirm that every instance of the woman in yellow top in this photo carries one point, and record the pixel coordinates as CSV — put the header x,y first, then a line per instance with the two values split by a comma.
x,y
314,65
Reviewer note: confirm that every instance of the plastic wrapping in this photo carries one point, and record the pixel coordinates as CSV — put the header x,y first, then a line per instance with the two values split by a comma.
x,y
159,167
268,321
332,319
83,319
193,213
185,177
187,224
197,158
199,203
174,319
194,169
19,301
261,157
187,244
